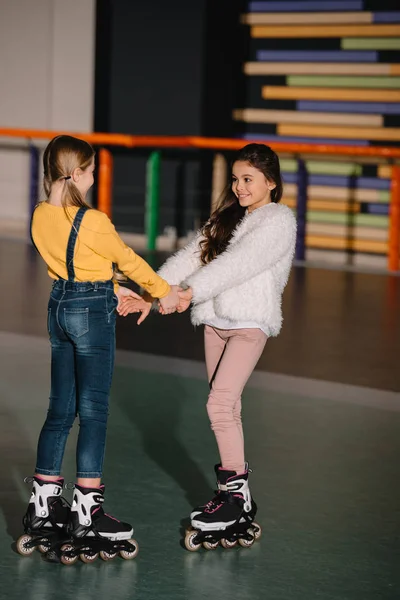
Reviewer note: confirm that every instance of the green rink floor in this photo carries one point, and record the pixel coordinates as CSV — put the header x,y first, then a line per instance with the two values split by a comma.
x,y
325,477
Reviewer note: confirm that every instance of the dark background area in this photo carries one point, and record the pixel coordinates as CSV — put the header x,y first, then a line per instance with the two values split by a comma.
x,y
168,68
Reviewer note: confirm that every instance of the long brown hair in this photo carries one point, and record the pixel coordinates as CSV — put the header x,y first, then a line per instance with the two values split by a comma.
x,y
61,157
219,228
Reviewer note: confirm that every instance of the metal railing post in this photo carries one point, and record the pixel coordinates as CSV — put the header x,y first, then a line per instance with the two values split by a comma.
x,y
104,191
152,198
394,221
302,185
33,181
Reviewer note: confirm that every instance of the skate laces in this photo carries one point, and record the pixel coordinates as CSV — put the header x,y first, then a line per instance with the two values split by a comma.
x,y
219,498
214,501
100,513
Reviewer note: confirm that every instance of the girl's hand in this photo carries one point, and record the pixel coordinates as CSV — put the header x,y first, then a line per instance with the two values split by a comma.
x,y
185,298
170,303
133,305
124,293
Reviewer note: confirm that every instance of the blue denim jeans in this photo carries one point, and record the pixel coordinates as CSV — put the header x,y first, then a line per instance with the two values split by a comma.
x,y
81,325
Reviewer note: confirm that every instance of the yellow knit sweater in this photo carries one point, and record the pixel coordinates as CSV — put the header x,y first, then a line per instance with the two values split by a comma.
x,y
98,245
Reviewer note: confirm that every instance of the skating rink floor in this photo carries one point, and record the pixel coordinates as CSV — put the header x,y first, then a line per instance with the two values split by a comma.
x,y
322,427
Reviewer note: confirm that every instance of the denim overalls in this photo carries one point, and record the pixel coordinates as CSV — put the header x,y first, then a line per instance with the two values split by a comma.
x,y
81,325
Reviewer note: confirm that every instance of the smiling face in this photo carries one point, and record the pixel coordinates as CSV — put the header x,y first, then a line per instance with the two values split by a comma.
x,y
250,186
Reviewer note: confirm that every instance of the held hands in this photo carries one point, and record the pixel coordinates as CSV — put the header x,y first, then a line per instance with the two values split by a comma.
x,y
170,303
185,298
178,300
129,302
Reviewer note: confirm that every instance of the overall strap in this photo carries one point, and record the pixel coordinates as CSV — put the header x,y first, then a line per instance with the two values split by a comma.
x,y
72,241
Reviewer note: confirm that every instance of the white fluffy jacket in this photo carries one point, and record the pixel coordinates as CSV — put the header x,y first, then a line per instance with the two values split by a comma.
x,y
246,281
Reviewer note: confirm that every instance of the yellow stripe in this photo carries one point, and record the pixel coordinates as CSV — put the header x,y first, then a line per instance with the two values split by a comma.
x,y
323,31
309,68
315,241
312,93
385,171
261,115
348,133
358,232
306,18
326,205
317,192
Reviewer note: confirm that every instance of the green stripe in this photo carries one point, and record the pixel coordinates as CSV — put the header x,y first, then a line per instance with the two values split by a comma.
x,y
323,168
314,216
370,43
345,81
383,197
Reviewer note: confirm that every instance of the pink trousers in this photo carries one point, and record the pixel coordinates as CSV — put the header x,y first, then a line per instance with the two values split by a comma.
x,y
231,356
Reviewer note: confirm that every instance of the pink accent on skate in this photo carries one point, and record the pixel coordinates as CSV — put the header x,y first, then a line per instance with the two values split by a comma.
x,y
210,512
95,510
89,487
111,517
59,480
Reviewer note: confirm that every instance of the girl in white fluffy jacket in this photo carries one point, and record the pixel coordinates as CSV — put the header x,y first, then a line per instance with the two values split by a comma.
x,y
233,273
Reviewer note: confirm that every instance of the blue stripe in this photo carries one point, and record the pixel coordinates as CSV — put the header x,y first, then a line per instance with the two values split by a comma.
x,y
284,6
264,137
382,108
386,17
316,56
368,183
376,209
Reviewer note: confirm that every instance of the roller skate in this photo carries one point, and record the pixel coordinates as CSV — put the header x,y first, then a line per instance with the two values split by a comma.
x,y
92,532
46,518
228,519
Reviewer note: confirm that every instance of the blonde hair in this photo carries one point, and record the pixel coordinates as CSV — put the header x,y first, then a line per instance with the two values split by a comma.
x,y
62,156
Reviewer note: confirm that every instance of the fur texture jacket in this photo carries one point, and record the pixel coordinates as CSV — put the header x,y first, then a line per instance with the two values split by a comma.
x,y
246,281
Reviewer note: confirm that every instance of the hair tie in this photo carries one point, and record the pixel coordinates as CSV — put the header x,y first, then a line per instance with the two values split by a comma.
x,y
68,177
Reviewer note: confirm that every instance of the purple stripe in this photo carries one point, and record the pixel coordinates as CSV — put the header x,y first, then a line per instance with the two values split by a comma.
x,y
386,17
369,183
316,56
284,6
377,209
302,140
383,108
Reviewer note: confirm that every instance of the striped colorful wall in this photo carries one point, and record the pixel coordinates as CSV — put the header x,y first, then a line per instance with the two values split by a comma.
x,y
328,72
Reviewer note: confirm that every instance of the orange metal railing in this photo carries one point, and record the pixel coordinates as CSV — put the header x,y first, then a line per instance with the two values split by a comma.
x,y
139,141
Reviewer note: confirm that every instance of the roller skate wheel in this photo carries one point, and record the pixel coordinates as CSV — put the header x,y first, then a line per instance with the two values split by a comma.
x,y
107,555
257,532
188,529
67,560
210,545
88,558
126,554
228,544
22,549
190,544
45,547
247,543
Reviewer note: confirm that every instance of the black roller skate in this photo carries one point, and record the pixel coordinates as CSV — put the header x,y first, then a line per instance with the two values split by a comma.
x,y
46,518
92,532
228,518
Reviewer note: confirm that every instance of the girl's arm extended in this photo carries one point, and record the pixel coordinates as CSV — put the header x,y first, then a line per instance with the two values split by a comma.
x,y
183,263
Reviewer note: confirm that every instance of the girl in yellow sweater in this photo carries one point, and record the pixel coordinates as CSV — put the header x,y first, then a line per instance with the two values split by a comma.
x,y
80,247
